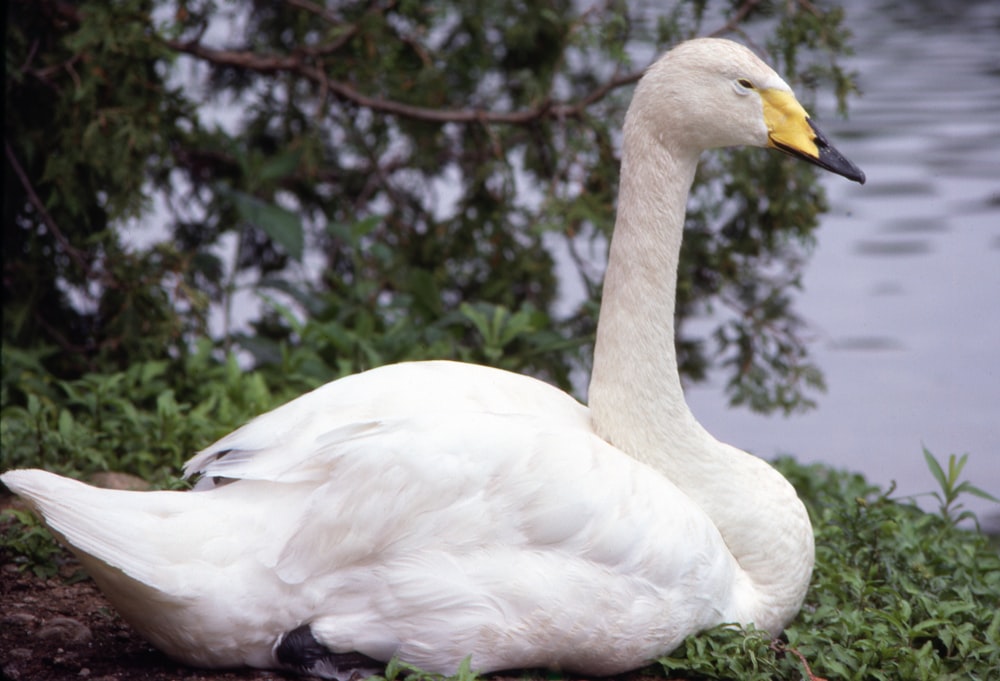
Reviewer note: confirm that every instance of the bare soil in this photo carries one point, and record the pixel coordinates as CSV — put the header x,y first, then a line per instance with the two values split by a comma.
x,y
63,628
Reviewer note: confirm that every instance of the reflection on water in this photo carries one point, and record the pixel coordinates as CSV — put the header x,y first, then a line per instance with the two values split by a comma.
x,y
904,287
894,247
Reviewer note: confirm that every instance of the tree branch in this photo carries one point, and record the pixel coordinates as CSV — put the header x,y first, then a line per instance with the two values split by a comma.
x,y
75,254
293,64
736,20
313,8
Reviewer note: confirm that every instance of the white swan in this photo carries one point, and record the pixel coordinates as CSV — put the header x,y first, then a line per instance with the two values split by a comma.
x,y
436,510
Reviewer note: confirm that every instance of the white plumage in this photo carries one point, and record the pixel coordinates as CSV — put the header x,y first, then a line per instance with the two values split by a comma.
x,y
435,510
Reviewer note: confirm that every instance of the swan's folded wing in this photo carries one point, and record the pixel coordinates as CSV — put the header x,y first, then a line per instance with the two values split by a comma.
x,y
461,484
279,443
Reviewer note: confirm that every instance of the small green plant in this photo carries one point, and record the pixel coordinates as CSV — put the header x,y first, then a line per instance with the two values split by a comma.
x,y
24,536
951,488
396,669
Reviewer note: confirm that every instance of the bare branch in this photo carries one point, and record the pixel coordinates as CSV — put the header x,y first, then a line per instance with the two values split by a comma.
x,y
75,254
329,48
293,64
313,8
736,20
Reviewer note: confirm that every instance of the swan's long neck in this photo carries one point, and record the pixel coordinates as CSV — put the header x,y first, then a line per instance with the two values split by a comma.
x,y
636,398
635,395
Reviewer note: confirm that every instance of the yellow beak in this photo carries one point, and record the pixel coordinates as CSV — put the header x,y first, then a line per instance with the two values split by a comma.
x,y
790,130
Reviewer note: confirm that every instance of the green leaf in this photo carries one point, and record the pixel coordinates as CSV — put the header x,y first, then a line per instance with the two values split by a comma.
x,y
66,424
280,166
281,225
955,466
935,469
426,292
968,488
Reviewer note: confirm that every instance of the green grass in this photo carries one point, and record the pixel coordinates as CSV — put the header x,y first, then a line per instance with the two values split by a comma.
x,y
897,593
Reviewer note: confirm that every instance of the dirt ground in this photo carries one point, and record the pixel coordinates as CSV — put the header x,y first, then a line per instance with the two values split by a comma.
x,y
58,629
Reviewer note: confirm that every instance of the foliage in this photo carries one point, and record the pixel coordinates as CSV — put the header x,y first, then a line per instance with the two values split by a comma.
x,y
400,670
952,488
27,537
385,174
350,326
146,420
897,594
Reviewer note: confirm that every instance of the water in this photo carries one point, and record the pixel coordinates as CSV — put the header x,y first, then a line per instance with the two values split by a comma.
x,y
903,291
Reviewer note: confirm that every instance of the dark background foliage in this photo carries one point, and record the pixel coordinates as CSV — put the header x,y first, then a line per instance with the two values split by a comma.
x,y
387,176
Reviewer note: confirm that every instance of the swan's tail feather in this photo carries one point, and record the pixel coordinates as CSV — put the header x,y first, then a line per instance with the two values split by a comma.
x,y
110,530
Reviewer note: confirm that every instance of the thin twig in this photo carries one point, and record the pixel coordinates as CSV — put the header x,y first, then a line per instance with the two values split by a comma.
x,y
31,56
74,253
781,648
811,8
313,8
736,19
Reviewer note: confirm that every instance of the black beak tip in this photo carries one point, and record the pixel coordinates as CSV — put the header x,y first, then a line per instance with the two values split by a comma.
x,y
857,175
832,160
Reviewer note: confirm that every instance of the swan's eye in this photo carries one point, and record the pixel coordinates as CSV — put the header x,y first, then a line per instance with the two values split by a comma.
x,y
745,83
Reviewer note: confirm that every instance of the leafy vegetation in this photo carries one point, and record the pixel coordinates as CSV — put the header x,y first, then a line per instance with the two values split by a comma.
x,y
952,486
27,537
897,594
386,176
145,420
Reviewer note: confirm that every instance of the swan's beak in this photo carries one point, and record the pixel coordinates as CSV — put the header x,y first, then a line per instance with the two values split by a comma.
x,y
790,130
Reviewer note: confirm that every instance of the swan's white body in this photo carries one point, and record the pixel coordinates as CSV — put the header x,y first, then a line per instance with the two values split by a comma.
x,y
436,510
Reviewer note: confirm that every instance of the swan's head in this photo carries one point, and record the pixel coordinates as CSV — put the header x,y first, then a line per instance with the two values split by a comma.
x,y
707,93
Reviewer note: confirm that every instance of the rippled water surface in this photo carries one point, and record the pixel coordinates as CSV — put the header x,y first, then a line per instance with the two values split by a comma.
x,y
903,291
